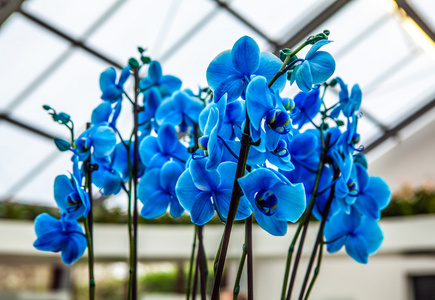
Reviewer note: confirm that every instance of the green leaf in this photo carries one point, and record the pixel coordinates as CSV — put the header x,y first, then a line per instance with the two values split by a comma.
x,y
339,123
62,144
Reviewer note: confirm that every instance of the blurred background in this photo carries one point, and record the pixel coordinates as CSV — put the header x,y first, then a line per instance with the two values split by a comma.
x,y
52,52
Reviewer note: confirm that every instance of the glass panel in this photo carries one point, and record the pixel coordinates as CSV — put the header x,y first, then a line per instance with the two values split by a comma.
x,y
272,21
191,61
22,151
426,9
73,89
26,51
65,14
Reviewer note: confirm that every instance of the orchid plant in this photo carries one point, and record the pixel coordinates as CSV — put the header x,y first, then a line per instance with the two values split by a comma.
x,y
247,152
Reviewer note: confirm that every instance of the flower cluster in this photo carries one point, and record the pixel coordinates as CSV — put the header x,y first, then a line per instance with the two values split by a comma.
x,y
278,158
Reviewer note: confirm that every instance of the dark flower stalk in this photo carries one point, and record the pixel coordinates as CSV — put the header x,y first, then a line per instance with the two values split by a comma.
x,y
192,256
304,222
319,239
89,227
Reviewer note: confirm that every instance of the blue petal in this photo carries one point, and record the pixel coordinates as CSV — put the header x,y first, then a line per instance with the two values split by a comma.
x,y
125,73
107,79
223,199
202,211
103,141
357,248
316,47
203,179
372,233
258,100
269,66
269,223
171,83
291,201
322,66
232,85
155,71
74,248
219,69
62,188
167,113
256,180
215,150
169,175
167,138
147,149
302,76
186,190
245,55
176,208
149,183
44,223
155,204
227,170
101,113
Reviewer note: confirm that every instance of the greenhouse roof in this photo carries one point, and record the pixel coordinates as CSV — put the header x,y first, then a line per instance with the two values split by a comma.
x,y
52,52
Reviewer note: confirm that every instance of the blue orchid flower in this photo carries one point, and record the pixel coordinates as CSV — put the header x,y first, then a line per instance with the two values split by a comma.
x,y
348,104
100,137
346,190
166,84
374,194
360,235
156,151
231,71
152,101
307,106
261,104
156,191
119,161
71,198
112,90
105,113
60,235
181,109
201,192
233,116
211,142
305,155
317,67
273,199
107,179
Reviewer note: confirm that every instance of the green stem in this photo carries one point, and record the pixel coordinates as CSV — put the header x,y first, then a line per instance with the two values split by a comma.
x,y
316,271
192,258
306,217
285,63
130,225
236,289
289,259
90,260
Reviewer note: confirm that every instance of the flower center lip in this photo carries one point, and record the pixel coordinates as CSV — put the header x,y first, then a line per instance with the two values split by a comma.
x,y
266,201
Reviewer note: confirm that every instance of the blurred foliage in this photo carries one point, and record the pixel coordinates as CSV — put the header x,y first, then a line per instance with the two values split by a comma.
x,y
411,201
408,201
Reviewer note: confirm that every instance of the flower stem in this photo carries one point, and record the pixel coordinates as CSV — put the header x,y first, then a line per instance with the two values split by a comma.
x,y
192,256
319,236
202,264
250,266
235,198
135,179
89,220
289,259
285,63
306,217
316,271
236,289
